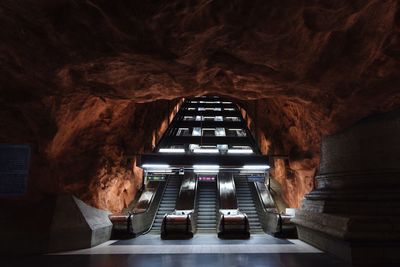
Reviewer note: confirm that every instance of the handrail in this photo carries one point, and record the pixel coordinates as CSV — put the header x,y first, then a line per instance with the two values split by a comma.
x,y
269,224
137,209
280,220
179,222
137,220
140,223
227,195
231,221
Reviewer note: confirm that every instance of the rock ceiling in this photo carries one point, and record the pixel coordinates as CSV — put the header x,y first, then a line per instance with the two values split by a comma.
x,y
86,82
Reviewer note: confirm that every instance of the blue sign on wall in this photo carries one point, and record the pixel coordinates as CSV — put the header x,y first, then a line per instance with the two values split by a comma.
x,y
14,169
256,178
155,177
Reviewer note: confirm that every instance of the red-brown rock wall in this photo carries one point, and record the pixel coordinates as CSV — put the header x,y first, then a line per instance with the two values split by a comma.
x,y
75,77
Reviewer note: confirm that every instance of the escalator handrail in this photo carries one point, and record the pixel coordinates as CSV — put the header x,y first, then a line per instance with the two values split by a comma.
x,y
135,211
233,192
158,205
193,191
262,205
150,224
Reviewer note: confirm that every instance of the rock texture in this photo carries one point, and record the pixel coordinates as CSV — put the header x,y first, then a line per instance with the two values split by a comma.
x,y
87,82
354,210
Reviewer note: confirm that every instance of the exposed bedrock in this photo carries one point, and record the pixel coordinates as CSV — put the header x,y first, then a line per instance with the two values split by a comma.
x,y
89,82
354,208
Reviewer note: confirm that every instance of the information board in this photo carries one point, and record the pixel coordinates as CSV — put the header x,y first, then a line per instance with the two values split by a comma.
x,y
14,169
256,178
155,177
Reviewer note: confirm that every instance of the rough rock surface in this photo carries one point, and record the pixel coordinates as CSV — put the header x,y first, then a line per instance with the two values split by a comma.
x,y
87,82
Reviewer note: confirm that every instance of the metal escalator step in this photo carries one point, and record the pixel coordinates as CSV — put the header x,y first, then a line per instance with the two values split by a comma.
x,y
206,221
246,202
206,213
206,226
165,210
168,206
205,217
168,203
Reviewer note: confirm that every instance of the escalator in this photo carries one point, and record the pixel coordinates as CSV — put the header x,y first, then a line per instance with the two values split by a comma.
x,y
167,203
206,207
246,204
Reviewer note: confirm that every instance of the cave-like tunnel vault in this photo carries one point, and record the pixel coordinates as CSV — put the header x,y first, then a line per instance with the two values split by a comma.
x,y
205,175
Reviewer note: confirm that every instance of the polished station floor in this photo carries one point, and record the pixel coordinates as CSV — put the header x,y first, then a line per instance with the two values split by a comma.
x,y
202,250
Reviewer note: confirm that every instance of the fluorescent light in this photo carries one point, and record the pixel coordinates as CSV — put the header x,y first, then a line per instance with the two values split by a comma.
x,y
206,171
240,151
171,150
196,131
206,167
220,132
206,150
256,167
156,166
158,171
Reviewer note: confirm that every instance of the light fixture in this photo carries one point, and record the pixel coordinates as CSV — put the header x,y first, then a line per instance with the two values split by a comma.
x,y
240,151
196,131
220,132
155,166
206,166
206,150
171,150
206,171
255,167
159,171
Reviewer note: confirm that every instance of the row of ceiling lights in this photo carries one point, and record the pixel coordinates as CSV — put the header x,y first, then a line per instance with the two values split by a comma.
x,y
203,168
204,151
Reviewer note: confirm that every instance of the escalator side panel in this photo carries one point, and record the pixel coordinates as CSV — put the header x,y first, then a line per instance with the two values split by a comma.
x,y
167,203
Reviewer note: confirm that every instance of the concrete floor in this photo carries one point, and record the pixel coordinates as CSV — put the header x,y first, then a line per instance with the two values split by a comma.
x,y
202,250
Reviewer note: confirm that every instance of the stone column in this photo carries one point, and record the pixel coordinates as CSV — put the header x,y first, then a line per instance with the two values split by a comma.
x,y
354,212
